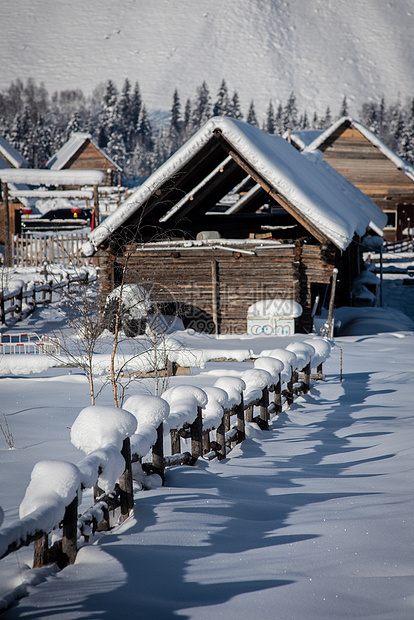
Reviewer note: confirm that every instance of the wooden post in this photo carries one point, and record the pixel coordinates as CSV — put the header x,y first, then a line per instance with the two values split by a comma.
x,y
41,549
19,300
277,398
103,525
289,386
96,204
241,427
263,408
175,441
329,327
307,378
196,430
221,440
215,294
70,533
249,413
7,248
2,309
125,482
158,451
206,442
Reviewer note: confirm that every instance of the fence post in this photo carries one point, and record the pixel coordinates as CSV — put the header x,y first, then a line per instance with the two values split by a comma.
x,y
196,430
307,377
263,408
103,525
2,312
158,451
19,299
221,440
125,482
241,427
41,549
206,442
249,413
70,533
277,399
289,386
175,441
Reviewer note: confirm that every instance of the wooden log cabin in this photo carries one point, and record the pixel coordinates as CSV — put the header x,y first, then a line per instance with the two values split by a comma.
x,y
362,158
80,152
234,217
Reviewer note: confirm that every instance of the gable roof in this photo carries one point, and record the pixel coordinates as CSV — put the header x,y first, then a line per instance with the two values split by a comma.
x,y
224,151
400,163
10,156
302,137
70,148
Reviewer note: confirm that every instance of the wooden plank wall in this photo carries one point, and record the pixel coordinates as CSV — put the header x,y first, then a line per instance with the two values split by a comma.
x,y
187,277
90,158
354,156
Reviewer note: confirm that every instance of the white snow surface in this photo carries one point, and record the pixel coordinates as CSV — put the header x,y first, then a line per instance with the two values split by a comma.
x,y
312,518
320,50
319,193
281,308
51,177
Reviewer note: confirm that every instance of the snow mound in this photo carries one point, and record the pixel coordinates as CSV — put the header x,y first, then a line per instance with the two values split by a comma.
x,y
52,483
100,426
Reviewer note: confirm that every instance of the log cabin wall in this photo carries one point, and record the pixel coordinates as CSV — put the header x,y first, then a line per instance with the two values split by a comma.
x,y
354,156
207,286
88,157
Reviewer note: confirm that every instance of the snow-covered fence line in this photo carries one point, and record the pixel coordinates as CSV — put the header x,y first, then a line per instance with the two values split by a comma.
x,y
113,439
33,250
20,298
53,495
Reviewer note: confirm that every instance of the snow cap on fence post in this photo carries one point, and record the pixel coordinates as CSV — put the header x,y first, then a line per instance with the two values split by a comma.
x,y
99,426
53,486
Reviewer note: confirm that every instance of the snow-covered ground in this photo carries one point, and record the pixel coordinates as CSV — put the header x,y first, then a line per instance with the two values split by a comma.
x,y
265,50
311,519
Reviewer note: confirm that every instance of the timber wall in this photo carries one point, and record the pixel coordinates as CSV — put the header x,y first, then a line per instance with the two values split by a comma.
x,y
212,286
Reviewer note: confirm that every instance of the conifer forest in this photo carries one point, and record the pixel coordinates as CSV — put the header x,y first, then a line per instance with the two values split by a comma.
x,y
37,124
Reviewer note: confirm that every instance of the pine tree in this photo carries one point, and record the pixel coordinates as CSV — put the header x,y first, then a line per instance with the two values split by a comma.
x,y
145,130
290,113
222,105
175,128
201,110
343,110
235,111
270,125
107,117
251,115
304,122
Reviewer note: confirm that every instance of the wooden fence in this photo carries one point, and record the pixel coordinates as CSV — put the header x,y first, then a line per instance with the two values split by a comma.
x,y
34,250
208,441
24,298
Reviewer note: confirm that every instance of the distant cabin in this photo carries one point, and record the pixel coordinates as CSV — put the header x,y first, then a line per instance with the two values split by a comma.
x,y
80,152
11,158
235,217
362,158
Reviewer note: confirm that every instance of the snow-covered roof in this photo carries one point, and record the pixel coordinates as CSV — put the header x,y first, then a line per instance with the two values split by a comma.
x,y
33,176
302,137
400,163
318,196
11,155
70,148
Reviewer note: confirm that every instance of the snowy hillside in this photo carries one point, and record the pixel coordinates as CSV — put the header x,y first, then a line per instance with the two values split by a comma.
x,y
264,49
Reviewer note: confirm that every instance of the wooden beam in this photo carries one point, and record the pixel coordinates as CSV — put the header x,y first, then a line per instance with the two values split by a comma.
x,y
308,224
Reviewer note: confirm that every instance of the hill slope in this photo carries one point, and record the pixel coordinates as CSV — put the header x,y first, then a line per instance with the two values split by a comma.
x,y
321,50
